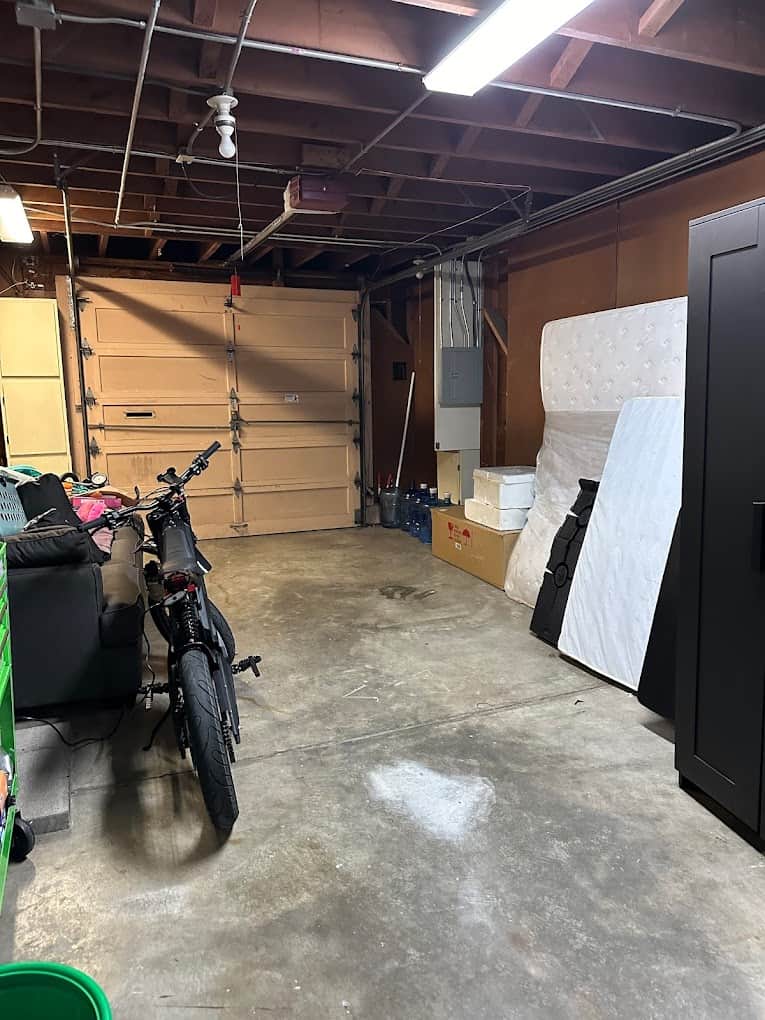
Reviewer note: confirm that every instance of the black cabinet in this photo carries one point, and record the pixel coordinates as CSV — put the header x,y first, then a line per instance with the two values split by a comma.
x,y
721,632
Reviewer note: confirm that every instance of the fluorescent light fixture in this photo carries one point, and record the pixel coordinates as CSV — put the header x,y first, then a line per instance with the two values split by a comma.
x,y
14,225
508,34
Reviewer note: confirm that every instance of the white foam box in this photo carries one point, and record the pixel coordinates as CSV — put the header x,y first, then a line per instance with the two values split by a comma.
x,y
510,519
507,488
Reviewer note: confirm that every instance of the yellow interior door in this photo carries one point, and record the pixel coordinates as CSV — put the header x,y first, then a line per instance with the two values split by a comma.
x,y
32,385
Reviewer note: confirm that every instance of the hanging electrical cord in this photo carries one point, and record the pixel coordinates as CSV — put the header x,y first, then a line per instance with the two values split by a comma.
x,y
15,284
198,191
238,194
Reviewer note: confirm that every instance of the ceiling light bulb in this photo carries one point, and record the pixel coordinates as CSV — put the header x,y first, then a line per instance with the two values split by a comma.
x,y
227,149
14,225
224,122
501,39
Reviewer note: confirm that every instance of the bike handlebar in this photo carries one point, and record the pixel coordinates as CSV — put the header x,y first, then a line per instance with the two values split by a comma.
x,y
213,448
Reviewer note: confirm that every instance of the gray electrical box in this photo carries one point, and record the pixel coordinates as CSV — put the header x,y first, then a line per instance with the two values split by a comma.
x,y
36,14
461,376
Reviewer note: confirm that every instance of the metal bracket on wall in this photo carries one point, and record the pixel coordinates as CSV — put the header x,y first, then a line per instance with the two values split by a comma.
x,y
357,480
230,351
90,397
94,447
85,349
355,353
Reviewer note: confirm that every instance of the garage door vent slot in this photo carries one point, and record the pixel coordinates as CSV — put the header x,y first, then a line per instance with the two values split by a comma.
x,y
139,414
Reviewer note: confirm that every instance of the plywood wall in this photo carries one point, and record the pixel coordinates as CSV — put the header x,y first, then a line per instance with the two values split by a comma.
x,y
630,253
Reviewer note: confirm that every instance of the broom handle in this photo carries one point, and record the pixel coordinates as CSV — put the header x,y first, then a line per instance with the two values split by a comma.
x,y
406,429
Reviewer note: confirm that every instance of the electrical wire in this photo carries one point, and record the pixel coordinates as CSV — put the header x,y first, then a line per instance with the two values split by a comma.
x,y
471,219
198,191
238,192
75,745
13,286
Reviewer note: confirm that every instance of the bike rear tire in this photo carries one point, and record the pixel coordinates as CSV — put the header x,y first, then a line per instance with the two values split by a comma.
x,y
206,740
219,621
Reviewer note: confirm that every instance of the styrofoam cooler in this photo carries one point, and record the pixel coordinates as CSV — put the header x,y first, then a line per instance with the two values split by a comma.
x,y
509,519
506,488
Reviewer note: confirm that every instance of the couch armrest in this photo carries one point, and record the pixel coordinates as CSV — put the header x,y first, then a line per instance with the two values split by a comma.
x,y
52,546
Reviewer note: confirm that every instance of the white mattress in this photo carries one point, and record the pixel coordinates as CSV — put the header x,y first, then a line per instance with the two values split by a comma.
x,y
589,366
613,596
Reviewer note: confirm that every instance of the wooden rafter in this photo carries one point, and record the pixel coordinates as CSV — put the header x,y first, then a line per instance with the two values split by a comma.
x,y
561,76
44,241
657,16
303,256
208,251
103,242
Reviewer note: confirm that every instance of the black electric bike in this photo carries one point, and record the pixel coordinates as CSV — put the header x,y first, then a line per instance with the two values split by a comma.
x,y
201,647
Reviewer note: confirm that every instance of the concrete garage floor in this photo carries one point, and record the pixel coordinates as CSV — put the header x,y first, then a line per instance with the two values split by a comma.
x,y
479,831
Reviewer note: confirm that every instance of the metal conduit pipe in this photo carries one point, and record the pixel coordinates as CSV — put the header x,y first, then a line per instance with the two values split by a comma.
x,y
650,177
71,266
38,101
387,65
149,32
114,150
239,43
368,146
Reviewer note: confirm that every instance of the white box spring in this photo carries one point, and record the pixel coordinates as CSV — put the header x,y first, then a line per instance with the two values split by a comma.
x,y
612,602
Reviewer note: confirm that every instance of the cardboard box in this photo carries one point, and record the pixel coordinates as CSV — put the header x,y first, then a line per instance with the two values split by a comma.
x,y
479,550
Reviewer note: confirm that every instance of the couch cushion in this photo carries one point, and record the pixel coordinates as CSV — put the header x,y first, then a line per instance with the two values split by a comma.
x,y
45,493
123,605
50,546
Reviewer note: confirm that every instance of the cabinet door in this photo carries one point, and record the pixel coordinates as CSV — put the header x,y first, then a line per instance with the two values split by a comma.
x,y
721,681
32,385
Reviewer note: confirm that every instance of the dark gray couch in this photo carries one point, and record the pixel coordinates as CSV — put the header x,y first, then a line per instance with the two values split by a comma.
x,y
76,616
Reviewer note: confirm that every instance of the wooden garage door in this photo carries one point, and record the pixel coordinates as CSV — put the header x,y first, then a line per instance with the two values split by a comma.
x,y
273,379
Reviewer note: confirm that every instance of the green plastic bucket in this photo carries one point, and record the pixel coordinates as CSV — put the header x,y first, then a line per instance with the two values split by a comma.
x,y
50,991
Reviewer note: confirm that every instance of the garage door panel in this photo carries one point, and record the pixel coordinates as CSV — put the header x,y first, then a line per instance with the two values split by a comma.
x,y
153,416
127,468
296,407
184,377
215,515
146,325
261,372
304,509
311,330
296,464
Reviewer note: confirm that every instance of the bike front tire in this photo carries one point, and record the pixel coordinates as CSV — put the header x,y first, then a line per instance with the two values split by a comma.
x,y
206,740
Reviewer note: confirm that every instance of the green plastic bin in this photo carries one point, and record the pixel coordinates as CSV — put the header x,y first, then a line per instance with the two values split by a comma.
x,y
50,991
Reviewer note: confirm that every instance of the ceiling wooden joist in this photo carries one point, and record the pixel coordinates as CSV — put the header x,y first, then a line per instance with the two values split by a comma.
x,y
451,160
